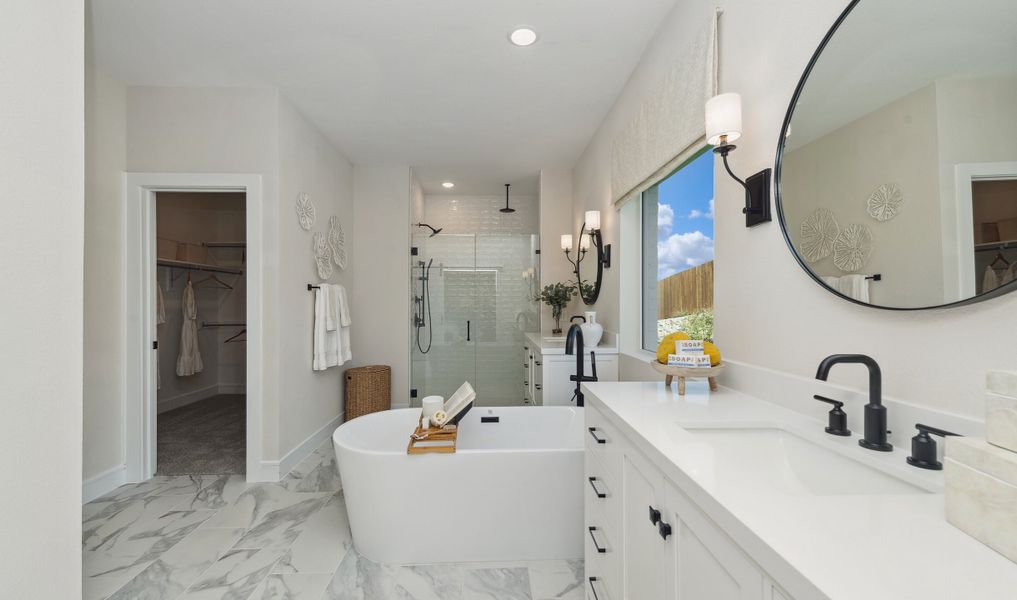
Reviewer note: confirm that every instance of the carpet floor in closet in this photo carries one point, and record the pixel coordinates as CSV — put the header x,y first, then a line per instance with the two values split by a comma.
x,y
204,438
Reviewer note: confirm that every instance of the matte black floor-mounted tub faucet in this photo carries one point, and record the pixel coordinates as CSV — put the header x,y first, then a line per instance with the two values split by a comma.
x,y
875,412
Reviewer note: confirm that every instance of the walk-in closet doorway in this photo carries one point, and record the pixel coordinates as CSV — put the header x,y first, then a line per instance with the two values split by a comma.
x,y
193,357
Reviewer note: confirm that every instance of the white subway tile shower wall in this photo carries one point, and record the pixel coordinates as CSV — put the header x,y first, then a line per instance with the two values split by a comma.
x,y
479,214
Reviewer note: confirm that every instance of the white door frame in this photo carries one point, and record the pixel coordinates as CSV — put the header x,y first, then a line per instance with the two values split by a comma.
x,y
964,175
139,410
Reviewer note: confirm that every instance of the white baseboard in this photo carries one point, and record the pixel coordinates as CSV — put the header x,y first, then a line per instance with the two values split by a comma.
x,y
103,483
202,394
281,468
169,404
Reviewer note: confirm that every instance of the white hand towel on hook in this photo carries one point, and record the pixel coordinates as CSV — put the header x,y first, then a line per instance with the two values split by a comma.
x,y
326,342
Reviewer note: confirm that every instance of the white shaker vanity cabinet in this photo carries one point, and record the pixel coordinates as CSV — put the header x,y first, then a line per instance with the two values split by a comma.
x,y
546,368
646,540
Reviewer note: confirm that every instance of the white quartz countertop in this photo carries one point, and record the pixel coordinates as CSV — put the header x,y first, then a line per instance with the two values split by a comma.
x,y
863,546
545,343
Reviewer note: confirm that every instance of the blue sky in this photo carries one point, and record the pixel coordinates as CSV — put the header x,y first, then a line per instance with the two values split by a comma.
x,y
685,218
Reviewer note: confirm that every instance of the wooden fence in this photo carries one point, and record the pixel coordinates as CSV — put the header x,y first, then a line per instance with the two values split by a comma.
x,y
685,292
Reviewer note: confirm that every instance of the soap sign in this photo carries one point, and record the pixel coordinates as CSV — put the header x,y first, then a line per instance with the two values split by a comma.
x,y
691,347
692,361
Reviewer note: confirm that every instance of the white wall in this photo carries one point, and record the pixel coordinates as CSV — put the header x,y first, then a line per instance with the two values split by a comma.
x,y
225,130
381,273
105,161
42,187
555,221
308,400
763,298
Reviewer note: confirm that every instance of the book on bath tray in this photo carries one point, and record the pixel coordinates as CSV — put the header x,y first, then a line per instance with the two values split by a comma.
x,y
459,403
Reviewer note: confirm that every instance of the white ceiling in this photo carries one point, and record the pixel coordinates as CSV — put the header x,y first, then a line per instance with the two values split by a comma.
x,y
430,83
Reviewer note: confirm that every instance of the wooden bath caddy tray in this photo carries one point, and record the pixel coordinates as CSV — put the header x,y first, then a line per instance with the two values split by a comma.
x,y
438,441
685,372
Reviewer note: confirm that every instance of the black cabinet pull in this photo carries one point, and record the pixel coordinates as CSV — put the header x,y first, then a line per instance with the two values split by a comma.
x,y
538,386
593,484
467,331
593,588
537,363
526,365
654,515
664,530
593,433
595,544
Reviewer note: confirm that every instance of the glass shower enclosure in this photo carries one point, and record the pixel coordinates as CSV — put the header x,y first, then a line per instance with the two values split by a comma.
x,y
473,299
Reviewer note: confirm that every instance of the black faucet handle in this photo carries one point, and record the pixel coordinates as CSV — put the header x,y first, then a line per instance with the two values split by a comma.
x,y
923,448
837,418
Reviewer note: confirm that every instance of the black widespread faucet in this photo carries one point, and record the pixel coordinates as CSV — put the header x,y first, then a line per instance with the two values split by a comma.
x,y
574,344
875,412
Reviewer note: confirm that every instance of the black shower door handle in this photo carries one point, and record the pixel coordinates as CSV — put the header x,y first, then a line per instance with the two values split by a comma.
x,y
467,331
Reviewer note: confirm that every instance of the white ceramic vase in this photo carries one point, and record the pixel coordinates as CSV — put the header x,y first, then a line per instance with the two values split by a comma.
x,y
592,330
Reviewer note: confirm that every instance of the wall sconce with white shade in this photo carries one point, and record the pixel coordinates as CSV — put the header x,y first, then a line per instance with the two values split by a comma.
x,y
723,127
589,237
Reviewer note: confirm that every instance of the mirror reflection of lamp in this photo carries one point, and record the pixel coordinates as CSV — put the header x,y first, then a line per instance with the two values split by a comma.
x,y
723,128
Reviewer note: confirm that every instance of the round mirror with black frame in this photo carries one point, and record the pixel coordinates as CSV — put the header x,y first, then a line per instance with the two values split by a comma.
x,y
590,270
896,172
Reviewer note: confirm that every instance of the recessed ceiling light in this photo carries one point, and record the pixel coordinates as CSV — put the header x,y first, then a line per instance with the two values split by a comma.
x,y
523,36
447,185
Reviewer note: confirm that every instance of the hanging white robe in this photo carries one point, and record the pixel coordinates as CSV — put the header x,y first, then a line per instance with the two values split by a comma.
x,y
189,359
160,318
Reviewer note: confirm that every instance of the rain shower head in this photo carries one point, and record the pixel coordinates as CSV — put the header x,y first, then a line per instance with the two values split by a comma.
x,y
507,209
434,231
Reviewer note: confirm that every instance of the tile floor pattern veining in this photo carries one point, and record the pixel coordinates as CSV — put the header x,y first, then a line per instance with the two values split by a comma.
x,y
217,537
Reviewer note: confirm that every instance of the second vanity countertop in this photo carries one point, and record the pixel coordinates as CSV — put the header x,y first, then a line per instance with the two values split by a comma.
x,y
546,343
851,546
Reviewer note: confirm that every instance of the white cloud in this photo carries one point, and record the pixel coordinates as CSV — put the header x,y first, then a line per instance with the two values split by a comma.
x,y
665,220
681,251
697,214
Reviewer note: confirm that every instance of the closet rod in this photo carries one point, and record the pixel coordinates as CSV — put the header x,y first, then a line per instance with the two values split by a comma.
x,y
223,324
179,264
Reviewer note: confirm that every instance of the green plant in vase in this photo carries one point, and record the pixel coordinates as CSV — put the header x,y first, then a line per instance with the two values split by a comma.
x,y
557,296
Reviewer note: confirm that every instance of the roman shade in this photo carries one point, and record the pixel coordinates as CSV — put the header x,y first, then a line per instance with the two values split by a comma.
x,y
669,126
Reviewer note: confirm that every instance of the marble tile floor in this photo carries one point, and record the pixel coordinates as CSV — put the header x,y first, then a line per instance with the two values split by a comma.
x,y
218,537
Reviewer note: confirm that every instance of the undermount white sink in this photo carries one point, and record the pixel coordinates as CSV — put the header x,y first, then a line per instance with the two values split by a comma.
x,y
770,458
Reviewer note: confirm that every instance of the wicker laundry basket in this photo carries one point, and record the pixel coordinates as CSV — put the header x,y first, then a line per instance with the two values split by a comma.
x,y
368,390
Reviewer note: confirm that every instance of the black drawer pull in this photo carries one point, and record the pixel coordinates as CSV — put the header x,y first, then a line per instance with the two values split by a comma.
x,y
537,363
593,432
538,386
593,588
526,366
664,530
654,515
595,544
593,485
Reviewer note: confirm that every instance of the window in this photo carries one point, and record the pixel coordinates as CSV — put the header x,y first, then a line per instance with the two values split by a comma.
x,y
677,250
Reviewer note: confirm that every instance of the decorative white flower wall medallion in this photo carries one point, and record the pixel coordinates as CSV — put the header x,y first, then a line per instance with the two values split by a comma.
x,y
852,248
305,211
885,202
337,242
819,231
322,255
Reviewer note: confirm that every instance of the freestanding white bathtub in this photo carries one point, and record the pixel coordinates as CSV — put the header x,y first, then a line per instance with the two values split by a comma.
x,y
512,491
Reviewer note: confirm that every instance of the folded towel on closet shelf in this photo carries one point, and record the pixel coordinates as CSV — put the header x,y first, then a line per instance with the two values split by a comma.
x,y
852,286
326,343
